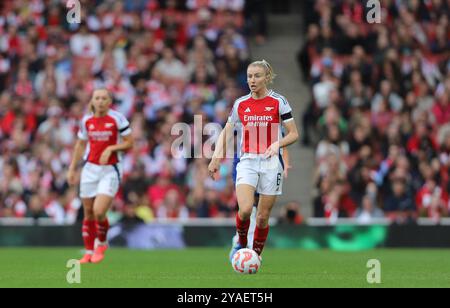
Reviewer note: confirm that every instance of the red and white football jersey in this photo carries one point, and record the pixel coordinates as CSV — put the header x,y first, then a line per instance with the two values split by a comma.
x,y
258,121
101,132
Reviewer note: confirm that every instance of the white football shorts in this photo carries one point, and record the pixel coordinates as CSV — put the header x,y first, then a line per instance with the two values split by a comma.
x,y
265,174
100,180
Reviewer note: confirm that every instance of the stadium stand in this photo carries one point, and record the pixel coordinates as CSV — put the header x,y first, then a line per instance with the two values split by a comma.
x,y
163,61
380,115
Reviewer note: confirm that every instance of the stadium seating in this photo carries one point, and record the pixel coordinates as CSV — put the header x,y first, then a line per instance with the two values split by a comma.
x,y
163,61
380,114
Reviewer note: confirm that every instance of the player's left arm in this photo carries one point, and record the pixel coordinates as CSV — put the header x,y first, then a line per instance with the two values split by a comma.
x,y
126,144
291,133
290,138
124,129
287,162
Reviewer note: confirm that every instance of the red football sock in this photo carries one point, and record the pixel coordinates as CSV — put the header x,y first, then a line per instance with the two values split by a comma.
x,y
242,230
102,230
260,239
89,234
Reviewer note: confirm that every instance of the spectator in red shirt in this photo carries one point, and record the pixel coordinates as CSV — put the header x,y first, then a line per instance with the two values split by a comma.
x,y
172,206
422,140
15,113
23,86
338,203
441,109
432,200
158,191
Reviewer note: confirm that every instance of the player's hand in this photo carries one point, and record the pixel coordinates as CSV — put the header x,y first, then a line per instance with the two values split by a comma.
x,y
213,168
286,171
105,156
273,150
71,177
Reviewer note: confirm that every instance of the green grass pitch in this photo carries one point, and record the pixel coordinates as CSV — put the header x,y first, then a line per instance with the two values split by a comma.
x,y
209,268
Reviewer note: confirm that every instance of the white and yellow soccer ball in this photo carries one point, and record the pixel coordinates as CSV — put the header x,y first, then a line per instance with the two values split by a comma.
x,y
246,261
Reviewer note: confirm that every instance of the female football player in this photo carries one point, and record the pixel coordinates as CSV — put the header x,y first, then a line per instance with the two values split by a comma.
x,y
252,227
258,116
107,133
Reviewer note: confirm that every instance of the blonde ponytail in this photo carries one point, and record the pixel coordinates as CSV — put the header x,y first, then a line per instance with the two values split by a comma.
x,y
91,108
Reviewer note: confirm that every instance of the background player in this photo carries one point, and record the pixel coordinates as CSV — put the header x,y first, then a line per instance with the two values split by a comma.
x,y
258,117
106,132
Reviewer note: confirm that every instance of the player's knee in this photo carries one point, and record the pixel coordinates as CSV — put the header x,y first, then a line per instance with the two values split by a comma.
x,y
99,214
89,213
245,214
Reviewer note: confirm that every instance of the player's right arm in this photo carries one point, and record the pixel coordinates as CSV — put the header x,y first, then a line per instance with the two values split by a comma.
x,y
80,147
225,138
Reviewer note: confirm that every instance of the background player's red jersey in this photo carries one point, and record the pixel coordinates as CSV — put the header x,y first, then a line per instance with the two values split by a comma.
x,y
102,132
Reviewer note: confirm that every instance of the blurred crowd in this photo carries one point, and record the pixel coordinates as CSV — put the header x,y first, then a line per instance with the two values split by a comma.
x,y
163,62
380,114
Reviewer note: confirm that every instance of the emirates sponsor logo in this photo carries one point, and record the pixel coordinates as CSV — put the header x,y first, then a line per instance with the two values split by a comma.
x,y
100,136
248,118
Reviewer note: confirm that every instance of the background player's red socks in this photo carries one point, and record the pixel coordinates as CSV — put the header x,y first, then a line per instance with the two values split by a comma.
x,y
102,230
260,239
89,234
242,230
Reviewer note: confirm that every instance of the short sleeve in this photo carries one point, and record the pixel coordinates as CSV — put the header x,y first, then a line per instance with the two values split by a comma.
x,y
234,116
285,110
123,125
82,131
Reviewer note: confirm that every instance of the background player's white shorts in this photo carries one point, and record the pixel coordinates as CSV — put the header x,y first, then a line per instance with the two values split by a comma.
x,y
99,180
266,175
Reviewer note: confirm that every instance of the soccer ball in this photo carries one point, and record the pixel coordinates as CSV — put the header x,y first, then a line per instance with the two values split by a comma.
x,y
246,261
